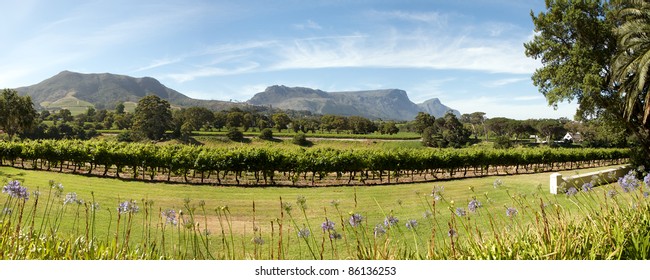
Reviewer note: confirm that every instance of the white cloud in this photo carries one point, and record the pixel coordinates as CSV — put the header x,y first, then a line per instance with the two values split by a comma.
x,y
503,82
435,18
310,24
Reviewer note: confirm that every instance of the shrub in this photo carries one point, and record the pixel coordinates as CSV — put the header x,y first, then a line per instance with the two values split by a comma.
x,y
300,140
125,137
235,135
266,134
502,142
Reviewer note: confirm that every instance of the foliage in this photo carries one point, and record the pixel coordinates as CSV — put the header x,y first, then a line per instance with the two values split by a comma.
x,y
266,134
300,139
596,53
265,163
152,117
235,135
17,114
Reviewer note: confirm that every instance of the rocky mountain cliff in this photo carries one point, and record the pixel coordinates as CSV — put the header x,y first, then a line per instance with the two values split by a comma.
x,y
386,104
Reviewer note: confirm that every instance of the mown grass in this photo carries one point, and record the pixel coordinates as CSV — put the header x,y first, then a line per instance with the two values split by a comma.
x,y
263,223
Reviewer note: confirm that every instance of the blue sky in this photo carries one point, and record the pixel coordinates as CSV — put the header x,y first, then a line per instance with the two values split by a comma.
x,y
469,54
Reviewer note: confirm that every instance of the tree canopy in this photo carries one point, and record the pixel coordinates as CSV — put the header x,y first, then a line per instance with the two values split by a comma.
x,y
152,117
17,113
598,53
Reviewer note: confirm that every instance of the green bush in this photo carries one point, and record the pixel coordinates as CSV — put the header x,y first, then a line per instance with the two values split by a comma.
x,y
266,134
235,135
300,140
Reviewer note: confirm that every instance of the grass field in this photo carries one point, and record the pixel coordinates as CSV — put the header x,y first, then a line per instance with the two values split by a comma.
x,y
233,217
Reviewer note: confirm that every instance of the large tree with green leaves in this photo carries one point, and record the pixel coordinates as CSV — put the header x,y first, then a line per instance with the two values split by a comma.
x,y
591,51
152,117
17,113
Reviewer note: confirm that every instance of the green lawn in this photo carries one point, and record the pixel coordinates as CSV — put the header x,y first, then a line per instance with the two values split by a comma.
x,y
374,203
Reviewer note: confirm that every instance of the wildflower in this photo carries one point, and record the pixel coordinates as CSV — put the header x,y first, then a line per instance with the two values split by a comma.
x,y
390,221
128,207
14,189
437,192
571,191
303,233
497,183
646,180
646,194
94,206
474,205
335,235
7,211
327,225
511,212
587,187
411,224
629,182
427,214
379,230
611,193
258,240
70,198
170,216
302,202
452,233
611,175
355,219
58,188
460,212
286,207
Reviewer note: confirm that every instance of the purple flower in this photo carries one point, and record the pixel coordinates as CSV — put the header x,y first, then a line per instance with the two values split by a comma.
x,y
390,221
629,182
437,192
452,233
128,207
646,180
170,216
587,187
335,235
571,191
511,212
379,230
411,224
327,225
304,233
14,189
474,205
460,212
355,219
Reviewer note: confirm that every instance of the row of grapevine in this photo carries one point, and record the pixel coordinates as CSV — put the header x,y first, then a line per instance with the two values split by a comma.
x,y
264,165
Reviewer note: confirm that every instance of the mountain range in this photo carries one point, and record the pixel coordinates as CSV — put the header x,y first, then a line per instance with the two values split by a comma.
x,y
387,104
77,92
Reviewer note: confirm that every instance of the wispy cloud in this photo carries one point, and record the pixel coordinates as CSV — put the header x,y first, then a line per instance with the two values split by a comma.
x,y
310,24
503,82
425,17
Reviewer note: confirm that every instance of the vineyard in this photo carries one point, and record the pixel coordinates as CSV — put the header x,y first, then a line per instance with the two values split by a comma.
x,y
293,167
